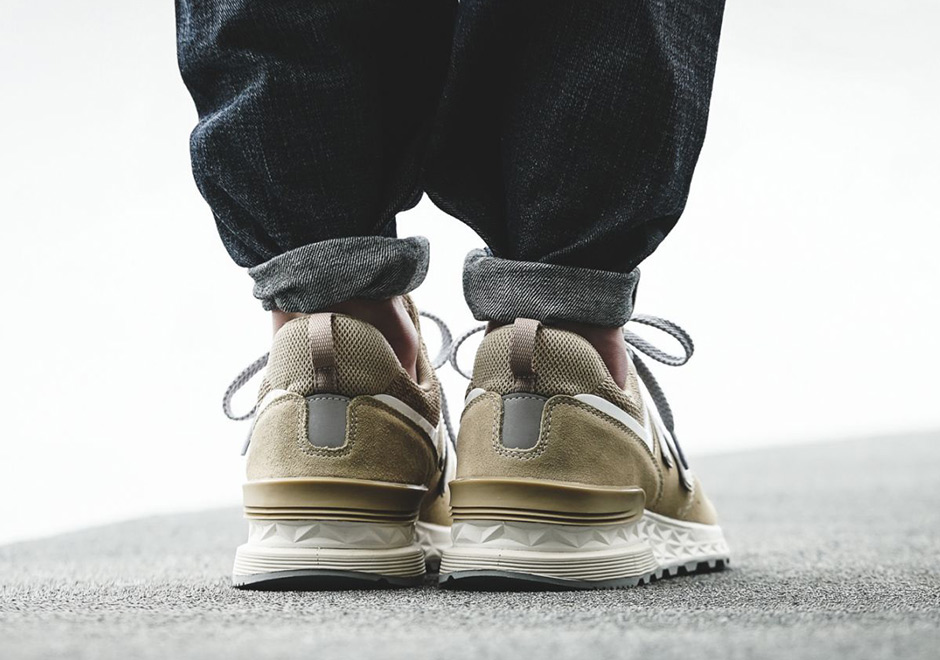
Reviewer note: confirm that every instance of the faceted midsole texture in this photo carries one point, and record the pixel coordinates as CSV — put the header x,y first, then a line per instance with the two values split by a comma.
x,y
582,552
572,552
390,549
677,542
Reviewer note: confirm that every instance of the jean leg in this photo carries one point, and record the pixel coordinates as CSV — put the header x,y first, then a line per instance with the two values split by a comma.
x,y
567,137
313,118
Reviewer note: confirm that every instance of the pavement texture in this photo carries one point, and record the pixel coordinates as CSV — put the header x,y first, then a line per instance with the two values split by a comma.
x,y
836,554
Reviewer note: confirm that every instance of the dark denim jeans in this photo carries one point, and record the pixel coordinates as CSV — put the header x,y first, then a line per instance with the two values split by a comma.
x,y
565,132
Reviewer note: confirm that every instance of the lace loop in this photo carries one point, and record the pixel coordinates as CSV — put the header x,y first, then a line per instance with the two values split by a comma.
x,y
447,339
668,327
455,348
246,374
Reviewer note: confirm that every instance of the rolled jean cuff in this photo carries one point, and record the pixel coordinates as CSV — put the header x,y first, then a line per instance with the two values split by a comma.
x,y
314,277
503,290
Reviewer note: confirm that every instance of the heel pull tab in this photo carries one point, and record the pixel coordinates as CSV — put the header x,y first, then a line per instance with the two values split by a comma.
x,y
522,353
322,352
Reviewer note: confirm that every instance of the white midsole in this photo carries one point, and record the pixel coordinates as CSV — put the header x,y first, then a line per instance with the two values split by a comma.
x,y
393,549
678,542
395,562
649,546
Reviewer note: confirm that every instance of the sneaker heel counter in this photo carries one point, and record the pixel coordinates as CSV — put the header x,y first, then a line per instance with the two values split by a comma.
x,y
300,437
575,443
525,419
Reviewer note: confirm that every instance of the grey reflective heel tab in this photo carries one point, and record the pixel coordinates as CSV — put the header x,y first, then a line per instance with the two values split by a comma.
x,y
503,290
521,420
326,420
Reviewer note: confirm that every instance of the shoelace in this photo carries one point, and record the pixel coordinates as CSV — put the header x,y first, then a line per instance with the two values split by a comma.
x,y
635,344
450,349
252,369
438,361
640,344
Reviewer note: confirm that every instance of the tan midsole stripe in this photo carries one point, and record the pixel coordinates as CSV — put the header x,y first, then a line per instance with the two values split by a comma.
x,y
551,496
329,514
521,515
538,500
330,509
354,496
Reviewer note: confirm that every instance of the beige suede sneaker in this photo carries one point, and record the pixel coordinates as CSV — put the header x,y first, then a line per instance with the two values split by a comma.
x,y
347,462
564,478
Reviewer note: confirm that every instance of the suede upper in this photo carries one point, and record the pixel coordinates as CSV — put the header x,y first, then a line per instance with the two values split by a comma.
x,y
380,443
577,442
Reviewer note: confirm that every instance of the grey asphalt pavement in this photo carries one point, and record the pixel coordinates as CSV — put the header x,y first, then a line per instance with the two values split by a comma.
x,y
836,554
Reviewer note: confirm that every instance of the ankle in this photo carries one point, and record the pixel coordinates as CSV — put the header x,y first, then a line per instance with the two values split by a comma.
x,y
388,316
608,342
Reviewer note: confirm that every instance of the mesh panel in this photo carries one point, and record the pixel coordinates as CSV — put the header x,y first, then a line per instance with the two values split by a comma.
x,y
564,363
365,363
491,366
289,365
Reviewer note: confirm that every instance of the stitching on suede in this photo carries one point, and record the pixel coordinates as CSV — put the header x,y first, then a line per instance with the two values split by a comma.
x,y
432,465
494,430
502,416
280,401
482,397
378,405
352,430
524,396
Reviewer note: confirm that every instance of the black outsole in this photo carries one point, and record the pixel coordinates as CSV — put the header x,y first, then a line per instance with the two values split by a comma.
x,y
494,580
322,580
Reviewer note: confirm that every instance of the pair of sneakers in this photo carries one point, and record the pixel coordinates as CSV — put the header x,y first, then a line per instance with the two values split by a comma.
x,y
559,477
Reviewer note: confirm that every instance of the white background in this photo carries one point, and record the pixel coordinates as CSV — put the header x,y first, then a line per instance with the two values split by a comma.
x,y
805,265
